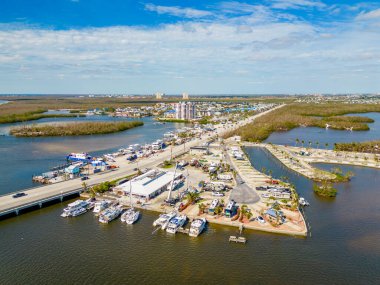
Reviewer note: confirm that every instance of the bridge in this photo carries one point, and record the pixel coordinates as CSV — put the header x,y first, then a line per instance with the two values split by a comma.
x,y
38,196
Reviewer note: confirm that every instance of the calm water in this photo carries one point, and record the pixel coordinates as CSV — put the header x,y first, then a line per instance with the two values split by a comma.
x,y
329,136
42,248
24,157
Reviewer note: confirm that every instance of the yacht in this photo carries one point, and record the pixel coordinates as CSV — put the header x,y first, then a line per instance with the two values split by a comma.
x,y
176,223
164,219
132,217
109,214
303,202
78,212
100,206
68,211
197,226
125,215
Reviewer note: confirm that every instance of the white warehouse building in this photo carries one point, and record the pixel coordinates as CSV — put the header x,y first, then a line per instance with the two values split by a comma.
x,y
148,185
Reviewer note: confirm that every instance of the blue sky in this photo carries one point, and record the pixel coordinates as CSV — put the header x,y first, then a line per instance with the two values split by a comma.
x,y
201,47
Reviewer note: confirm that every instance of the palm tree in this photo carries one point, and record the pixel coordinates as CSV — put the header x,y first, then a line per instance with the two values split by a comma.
x,y
303,142
326,145
310,144
192,197
297,141
202,208
317,144
245,213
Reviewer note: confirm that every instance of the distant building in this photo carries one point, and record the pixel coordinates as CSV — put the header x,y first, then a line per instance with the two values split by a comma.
x,y
159,95
185,111
185,96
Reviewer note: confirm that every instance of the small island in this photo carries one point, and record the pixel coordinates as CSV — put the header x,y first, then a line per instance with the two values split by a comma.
x,y
73,129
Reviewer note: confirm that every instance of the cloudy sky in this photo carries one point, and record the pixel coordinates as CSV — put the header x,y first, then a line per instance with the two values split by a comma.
x,y
201,47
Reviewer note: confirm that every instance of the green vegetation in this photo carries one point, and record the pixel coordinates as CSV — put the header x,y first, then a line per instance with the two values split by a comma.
x,y
172,120
369,147
325,189
340,176
167,164
31,116
307,115
73,129
103,187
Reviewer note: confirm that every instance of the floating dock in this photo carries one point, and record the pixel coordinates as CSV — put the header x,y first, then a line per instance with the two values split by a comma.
x,y
237,239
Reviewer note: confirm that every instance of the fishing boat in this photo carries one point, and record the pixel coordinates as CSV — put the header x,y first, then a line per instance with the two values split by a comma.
x,y
164,219
197,226
175,223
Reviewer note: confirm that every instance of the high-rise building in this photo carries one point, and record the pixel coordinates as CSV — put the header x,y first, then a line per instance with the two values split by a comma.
x,y
159,95
185,111
185,96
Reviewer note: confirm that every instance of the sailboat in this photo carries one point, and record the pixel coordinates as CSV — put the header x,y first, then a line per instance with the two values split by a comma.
x,y
131,215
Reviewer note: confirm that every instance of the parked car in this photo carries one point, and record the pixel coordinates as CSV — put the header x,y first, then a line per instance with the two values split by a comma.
x,y
18,195
261,220
85,178
217,194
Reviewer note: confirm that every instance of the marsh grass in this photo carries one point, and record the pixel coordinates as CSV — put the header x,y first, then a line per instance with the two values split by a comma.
x,y
307,115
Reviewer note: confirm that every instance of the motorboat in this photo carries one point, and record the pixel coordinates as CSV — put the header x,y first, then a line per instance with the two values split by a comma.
x,y
78,212
197,226
176,223
68,211
164,219
303,202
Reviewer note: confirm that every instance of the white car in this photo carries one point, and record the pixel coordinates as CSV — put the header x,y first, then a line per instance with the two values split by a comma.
x,y
261,220
217,194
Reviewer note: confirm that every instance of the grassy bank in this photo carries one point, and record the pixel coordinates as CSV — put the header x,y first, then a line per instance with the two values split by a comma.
x,y
167,120
369,147
307,115
73,129
32,116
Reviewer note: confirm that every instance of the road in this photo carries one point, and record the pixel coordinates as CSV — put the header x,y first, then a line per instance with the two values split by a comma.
x,y
7,202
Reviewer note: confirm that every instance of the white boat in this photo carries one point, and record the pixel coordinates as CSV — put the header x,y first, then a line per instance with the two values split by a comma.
x,y
303,202
197,226
68,211
164,219
101,205
78,212
132,217
175,223
109,214
125,215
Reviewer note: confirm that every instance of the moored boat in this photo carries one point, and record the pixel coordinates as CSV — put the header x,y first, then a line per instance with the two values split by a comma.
x,y
197,226
164,219
175,223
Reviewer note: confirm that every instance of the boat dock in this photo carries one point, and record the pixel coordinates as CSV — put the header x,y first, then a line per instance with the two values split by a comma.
x,y
237,239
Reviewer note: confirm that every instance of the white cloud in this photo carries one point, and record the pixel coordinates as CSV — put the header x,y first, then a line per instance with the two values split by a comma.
x,y
213,56
178,11
375,14
297,4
